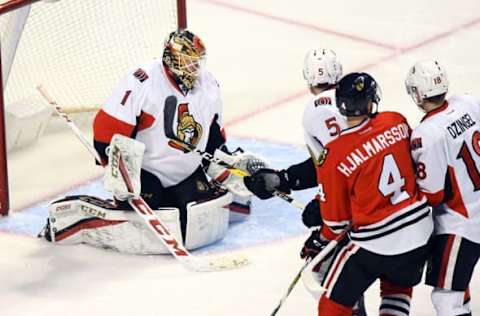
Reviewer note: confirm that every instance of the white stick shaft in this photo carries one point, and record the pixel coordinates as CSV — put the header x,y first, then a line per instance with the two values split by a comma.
x,y
308,275
152,221
70,123
306,271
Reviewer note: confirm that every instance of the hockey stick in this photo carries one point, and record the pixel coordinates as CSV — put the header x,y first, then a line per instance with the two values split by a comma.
x,y
290,287
150,219
168,117
308,277
307,268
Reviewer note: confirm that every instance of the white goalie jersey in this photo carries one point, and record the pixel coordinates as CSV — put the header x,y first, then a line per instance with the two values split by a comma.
x,y
137,107
446,150
322,122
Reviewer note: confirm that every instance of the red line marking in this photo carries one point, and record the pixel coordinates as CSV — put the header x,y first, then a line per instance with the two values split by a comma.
x,y
301,24
298,94
265,108
48,197
442,35
383,59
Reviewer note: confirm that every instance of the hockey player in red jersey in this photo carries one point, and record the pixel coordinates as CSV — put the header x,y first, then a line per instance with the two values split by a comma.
x,y
368,182
322,122
446,150
158,112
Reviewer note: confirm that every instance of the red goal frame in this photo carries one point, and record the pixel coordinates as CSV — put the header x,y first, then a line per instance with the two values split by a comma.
x,y
6,7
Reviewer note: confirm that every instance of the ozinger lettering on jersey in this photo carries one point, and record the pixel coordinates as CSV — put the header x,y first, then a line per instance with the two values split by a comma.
x,y
459,126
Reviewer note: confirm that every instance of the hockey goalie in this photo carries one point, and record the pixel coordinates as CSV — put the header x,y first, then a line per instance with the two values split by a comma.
x,y
194,197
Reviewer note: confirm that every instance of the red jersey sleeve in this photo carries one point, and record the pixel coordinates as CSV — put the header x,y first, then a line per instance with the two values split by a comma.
x,y
334,199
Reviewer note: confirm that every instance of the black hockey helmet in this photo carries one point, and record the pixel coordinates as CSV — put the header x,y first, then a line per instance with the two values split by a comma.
x,y
354,92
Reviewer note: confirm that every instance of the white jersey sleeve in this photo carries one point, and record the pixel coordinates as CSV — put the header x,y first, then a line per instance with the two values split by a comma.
x,y
430,156
129,96
446,150
322,122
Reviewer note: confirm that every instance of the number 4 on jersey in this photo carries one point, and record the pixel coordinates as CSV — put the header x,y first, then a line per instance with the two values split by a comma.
x,y
391,181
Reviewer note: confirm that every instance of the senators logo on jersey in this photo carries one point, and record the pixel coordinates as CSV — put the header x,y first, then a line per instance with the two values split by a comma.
x,y
188,130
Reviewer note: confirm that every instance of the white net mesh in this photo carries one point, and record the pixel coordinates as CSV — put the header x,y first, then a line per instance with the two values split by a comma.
x,y
79,49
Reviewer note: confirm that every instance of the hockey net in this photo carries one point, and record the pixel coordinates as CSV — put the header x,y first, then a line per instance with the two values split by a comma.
x,y
77,50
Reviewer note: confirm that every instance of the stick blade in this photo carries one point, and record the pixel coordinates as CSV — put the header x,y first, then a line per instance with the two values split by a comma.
x,y
220,263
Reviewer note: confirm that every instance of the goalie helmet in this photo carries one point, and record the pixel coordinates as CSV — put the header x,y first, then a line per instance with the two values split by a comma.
x,y
321,66
354,92
426,79
184,55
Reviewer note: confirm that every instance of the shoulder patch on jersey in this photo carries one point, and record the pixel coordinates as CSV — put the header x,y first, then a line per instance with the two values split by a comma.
x,y
416,143
323,101
140,74
318,161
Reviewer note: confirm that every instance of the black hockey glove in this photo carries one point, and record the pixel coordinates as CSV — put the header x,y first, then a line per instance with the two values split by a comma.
x,y
263,182
311,216
313,245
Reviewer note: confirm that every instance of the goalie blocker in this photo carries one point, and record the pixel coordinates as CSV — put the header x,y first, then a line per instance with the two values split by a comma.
x,y
101,223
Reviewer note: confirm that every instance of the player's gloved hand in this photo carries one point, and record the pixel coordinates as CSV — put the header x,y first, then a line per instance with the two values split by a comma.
x,y
265,181
313,245
311,216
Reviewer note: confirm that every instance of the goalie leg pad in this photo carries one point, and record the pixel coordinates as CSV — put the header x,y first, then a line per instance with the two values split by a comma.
x,y
207,221
92,221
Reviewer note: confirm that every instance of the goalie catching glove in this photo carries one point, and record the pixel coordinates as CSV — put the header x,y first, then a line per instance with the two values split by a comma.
x,y
232,178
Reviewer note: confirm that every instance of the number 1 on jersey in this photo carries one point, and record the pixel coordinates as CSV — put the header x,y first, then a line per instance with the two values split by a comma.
x,y
391,181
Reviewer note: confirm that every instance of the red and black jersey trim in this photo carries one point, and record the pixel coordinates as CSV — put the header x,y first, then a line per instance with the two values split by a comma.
x,y
406,219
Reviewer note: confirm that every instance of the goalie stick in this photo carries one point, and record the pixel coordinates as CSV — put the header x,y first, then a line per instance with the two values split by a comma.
x,y
146,213
168,117
306,271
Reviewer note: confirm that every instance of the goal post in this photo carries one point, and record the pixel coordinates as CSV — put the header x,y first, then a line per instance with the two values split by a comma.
x,y
78,50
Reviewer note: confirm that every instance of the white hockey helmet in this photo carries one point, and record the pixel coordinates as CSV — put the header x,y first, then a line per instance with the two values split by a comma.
x,y
426,79
321,66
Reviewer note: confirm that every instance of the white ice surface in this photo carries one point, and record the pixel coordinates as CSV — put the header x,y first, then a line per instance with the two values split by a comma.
x,y
256,50
47,280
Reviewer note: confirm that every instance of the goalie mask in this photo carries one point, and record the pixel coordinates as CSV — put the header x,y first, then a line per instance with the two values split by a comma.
x,y
321,66
184,55
426,79
354,92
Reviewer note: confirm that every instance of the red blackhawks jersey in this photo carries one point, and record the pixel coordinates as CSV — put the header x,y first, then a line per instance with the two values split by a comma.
x,y
368,181
446,149
136,108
